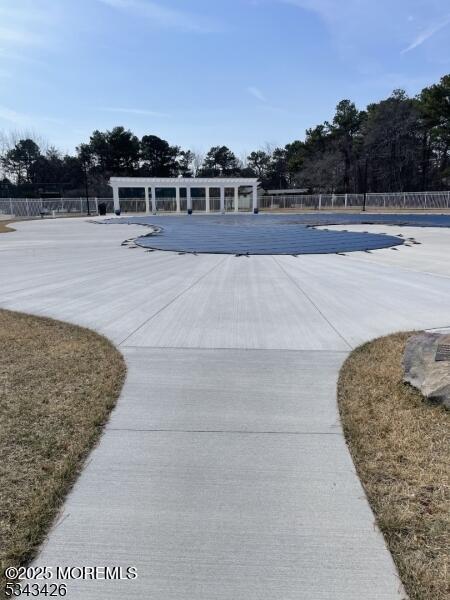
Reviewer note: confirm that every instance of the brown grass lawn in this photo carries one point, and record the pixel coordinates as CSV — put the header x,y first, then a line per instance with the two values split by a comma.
x,y
58,384
400,446
5,226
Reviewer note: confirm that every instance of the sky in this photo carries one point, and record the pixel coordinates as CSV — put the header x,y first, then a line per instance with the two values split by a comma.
x,y
241,73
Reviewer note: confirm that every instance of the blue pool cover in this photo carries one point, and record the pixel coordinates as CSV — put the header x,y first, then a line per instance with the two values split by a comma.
x,y
272,234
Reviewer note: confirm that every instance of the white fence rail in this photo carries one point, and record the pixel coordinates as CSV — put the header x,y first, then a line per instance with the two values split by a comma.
x,y
31,207
401,200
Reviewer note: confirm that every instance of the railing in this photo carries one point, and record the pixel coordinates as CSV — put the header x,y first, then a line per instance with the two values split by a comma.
x,y
58,207
32,207
400,200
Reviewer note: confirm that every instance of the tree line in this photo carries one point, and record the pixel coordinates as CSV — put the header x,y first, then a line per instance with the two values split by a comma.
x,y
397,144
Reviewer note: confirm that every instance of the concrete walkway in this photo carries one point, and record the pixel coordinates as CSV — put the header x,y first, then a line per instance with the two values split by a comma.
x,y
223,473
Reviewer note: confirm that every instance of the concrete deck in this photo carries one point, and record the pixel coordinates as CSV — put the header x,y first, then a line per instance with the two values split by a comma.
x,y
223,472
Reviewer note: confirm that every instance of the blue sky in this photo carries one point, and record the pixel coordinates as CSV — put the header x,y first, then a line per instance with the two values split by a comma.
x,y
205,72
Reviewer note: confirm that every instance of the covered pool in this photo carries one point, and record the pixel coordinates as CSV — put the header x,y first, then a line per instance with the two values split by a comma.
x,y
272,234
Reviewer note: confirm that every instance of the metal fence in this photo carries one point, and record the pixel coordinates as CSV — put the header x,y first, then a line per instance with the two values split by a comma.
x,y
57,207
400,200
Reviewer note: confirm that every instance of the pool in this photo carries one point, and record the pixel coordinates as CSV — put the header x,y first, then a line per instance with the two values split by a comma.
x,y
271,234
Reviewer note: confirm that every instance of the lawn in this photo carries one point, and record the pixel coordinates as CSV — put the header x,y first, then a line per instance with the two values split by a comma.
x,y
5,226
58,384
400,446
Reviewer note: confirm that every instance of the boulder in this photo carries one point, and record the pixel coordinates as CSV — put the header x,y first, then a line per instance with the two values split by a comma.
x,y
426,365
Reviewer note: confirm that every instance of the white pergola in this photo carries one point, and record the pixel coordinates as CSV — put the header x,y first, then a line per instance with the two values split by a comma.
x,y
150,184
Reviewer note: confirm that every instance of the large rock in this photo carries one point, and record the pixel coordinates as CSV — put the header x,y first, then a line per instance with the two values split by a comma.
x,y
426,365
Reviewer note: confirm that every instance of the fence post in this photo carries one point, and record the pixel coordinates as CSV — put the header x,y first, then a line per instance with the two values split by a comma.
x,y
346,200
28,208
320,201
11,208
448,198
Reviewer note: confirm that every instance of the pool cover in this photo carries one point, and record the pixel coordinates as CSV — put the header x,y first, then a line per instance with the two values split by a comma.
x,y
271,234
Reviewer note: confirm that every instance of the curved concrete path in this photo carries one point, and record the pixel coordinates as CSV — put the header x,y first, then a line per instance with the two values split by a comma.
x,y
223,473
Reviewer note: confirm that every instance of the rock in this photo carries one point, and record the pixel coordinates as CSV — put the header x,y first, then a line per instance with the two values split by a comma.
x,y
423,371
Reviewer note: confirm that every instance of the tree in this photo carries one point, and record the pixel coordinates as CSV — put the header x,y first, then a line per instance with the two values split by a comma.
x,y
185,161
434,107
259,161
277,172
295,157
19,160
344,129
197,161
392,144
220,161
114,152
158,157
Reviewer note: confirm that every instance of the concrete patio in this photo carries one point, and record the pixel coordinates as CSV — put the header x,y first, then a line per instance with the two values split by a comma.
x,y
223,472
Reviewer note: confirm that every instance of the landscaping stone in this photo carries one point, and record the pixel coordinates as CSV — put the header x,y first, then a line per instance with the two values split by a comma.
x,y
427,366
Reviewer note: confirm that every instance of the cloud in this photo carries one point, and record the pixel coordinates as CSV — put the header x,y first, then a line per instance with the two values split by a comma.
x,y
18,36
12,116
327,9
257,93
14,56
426,34
360,28
135,111
25,120
162,16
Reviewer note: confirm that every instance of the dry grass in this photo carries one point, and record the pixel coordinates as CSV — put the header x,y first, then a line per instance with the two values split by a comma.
x,y
5,226
58,384
400,446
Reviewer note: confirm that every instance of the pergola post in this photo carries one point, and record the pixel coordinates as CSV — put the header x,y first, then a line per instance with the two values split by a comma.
x,y
188,198
116,198
222,198
153,199
177,197
147,201
255,197
236,198
207,201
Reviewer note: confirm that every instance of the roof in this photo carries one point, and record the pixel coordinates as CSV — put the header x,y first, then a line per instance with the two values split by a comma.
x,y
291,191
181,181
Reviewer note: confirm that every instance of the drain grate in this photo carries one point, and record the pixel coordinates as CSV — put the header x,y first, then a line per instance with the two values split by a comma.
x,y
442,353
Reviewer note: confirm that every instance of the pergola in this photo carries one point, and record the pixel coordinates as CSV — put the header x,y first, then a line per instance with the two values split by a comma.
x,y
150,184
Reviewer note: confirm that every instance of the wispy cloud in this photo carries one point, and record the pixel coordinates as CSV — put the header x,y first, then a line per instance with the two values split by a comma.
x,y
18,36
359,28
426,34
256,93
25,120
162,16
135,111
12,116
327,9
14,56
